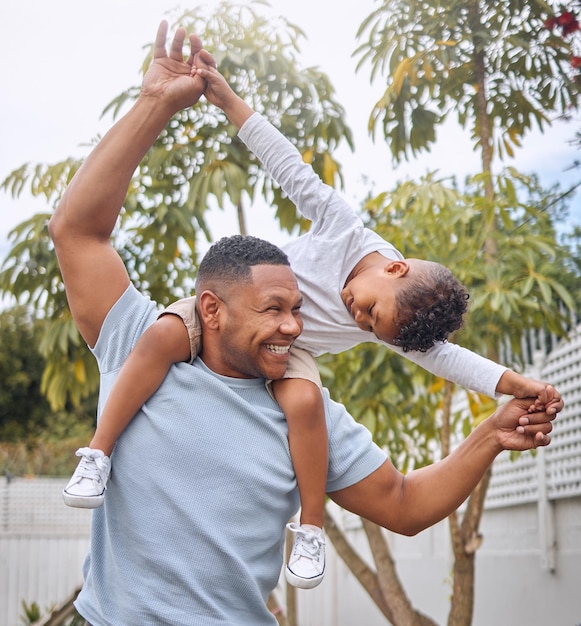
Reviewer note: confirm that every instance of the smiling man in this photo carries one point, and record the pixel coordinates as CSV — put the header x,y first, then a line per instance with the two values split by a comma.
x,y
192,528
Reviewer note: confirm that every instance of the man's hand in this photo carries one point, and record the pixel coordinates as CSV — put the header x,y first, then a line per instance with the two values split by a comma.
x,y
169,77
517,428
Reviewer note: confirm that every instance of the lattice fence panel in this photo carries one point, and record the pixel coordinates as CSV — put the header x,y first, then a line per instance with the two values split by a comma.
x,y
35,507
517,481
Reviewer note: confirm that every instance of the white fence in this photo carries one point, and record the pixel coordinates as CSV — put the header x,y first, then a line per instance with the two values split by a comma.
x,y
42,545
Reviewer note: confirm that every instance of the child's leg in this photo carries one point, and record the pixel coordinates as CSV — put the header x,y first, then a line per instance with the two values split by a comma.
x,y
302,403
165,342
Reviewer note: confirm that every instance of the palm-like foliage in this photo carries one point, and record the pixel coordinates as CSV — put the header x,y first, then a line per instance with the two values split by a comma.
x,y
196,163
498,67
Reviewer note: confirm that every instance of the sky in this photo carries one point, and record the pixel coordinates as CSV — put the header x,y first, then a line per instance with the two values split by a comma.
x,y
63,61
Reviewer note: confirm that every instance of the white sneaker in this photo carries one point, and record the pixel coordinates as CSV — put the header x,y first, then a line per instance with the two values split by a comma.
x,y
86,488
306,564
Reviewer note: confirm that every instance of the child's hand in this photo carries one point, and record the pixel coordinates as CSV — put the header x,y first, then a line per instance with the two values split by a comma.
x,y
547,400
546,397
218,91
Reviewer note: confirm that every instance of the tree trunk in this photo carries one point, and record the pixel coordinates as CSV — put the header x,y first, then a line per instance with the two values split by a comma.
x,y
483,123
383,587
462,605
241,219
391,588
276,609
465,536
466,539
363,573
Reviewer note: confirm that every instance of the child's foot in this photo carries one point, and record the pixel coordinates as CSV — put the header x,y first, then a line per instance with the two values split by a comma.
x,y
306,564
86,488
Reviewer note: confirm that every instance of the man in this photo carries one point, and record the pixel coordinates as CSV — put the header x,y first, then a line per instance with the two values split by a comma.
x,y
192,528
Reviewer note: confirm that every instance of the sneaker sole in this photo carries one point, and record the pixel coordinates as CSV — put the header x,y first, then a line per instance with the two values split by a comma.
x,y
302,583
83,502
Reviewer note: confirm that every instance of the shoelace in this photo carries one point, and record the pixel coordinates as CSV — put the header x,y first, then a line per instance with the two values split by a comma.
x,y
307,544
87,467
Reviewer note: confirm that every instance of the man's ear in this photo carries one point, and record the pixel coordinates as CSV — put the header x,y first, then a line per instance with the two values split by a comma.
x,y
397,269
210,307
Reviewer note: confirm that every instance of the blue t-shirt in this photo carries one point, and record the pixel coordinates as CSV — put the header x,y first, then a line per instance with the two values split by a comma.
x,y
192,529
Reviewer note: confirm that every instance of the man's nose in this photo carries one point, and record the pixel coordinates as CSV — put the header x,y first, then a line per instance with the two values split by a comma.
x,y
291,324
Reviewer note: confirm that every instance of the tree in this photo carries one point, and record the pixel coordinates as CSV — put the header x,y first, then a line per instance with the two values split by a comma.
x,y
34,439
500,67
196,161
23,409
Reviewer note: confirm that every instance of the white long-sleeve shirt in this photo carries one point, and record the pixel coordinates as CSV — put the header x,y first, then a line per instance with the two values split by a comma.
x,y
323,258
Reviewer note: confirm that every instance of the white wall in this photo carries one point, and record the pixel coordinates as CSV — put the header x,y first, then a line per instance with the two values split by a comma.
x,y
512,586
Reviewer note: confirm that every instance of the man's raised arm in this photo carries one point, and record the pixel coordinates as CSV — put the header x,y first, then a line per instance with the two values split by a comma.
x,y
81,227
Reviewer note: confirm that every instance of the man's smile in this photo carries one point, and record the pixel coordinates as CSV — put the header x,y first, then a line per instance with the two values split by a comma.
x,y
277,349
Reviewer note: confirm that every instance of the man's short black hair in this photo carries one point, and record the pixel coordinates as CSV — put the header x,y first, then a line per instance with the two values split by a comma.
x,y
231,259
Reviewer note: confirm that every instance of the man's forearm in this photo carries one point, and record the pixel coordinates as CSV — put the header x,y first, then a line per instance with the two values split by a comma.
x,y
409,504
93,200
81,227
431,493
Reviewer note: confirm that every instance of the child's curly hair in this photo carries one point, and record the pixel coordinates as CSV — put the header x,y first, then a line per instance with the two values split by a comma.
x,y
430,309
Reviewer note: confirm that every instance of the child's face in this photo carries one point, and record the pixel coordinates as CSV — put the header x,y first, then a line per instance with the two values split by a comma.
x,y
370,299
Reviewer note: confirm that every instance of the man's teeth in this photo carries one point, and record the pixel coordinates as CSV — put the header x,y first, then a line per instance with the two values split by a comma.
x,y
278,349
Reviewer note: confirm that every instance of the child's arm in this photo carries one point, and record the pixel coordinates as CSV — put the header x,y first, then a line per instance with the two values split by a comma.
x,y
475,372
322,203
164,343
317,201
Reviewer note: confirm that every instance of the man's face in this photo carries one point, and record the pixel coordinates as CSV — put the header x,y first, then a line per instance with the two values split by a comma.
x,y
259,323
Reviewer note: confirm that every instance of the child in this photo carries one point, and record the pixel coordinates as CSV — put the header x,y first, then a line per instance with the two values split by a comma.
x,y
356,288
